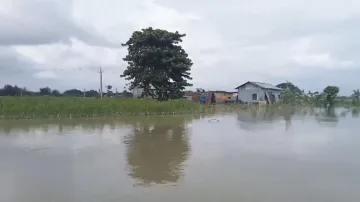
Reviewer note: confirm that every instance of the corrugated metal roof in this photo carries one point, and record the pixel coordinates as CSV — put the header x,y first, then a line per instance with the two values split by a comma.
x,y
262,85
266,85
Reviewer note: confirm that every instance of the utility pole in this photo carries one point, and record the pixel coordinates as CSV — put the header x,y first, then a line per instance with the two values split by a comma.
x,y
84,92
101,84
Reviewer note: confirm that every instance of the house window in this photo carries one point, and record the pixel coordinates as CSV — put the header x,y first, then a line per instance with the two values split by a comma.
x,y
254,96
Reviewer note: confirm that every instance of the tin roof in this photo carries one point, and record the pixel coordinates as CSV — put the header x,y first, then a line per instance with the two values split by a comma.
x,y
261,85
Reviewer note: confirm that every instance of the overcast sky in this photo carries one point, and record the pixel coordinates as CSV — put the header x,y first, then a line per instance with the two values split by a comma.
x,y
62,43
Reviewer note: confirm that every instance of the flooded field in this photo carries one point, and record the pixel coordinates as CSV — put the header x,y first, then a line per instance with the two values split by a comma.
x,y
250,156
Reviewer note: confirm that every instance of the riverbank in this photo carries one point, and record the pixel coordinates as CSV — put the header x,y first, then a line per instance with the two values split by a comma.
x,y
66,107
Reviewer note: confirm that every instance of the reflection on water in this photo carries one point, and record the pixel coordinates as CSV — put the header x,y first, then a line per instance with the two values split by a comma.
x,y
256,119
355,112
157,150
256,155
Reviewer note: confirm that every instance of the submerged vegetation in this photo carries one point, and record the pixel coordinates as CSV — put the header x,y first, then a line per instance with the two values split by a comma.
x,y
328,98
56,107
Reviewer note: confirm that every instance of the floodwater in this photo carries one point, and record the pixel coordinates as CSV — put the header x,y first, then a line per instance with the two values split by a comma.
x,y
250,156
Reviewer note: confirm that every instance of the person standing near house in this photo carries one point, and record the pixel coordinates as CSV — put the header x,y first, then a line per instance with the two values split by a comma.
x,y
213,98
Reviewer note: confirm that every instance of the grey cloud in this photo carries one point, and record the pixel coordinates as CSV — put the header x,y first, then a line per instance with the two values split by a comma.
x,y
16,69
239,23
240,28
44,22
50,21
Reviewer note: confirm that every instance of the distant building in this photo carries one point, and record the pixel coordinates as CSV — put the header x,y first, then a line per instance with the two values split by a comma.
x,y
257,92
189,95
220,96
223,96
136,91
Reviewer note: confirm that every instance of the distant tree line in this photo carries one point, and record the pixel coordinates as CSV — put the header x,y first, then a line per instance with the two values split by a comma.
x,y
10,90
293,95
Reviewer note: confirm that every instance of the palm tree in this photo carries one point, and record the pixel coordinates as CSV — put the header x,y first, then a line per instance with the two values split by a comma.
x,y
356,95
312,97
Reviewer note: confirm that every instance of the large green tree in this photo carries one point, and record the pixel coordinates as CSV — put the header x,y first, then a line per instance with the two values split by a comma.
x,y
156,60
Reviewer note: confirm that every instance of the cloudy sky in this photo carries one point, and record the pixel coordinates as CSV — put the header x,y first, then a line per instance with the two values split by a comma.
x,y
62,43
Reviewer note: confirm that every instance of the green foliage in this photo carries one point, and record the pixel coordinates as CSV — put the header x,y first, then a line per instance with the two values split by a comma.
x,y
291,94
9,90
73,93
289,86
200,90
313,97
294,96
330,94
52,107
156,60
55,93
289,97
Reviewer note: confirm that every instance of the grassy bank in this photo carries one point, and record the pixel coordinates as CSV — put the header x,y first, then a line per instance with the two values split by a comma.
x,y
56,107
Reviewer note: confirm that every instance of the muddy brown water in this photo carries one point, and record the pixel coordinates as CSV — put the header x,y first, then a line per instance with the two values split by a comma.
x,y
250,156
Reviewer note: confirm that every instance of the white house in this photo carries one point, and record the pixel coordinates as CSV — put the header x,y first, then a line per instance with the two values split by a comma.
x,y
257,92
137,91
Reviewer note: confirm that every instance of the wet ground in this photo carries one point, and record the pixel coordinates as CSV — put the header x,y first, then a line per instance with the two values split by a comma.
x,y
267,155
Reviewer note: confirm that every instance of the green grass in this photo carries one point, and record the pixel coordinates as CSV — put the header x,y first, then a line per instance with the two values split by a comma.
x,y
57,107
66,107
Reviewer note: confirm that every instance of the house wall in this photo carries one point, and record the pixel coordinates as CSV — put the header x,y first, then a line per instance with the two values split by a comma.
x,y
188,97
220,97
196,97
245,93
223,97
137,92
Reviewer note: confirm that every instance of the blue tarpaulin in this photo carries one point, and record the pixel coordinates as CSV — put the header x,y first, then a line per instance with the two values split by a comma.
x,y
203,99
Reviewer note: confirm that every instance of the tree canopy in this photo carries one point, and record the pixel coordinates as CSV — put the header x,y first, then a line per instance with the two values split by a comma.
x,y
290,86
330,94
293,95
156,60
